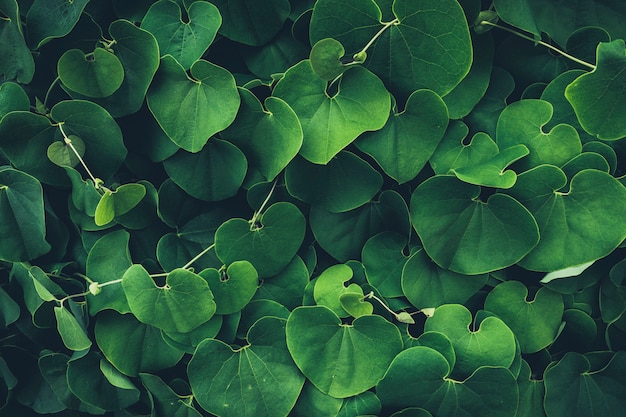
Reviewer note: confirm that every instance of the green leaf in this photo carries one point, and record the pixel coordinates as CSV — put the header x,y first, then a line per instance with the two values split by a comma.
x,y
72,333
428,46
108,260
535,322
61,154
49,19
205,103
185,40
251,22
12,98
232,288
531,394
269,246
166,401
420,377
118,202
181,305
454,153
575,226
345,183
466,235
133,347
573,387
491,344
383,257
329,287
105,210
220,164
521,123
9,309
94,381
314,403
595,95
269,134
22,219
315,335
257,380
326,57
355,305
97,75
427,285
17,61
493,172
324,117
409,138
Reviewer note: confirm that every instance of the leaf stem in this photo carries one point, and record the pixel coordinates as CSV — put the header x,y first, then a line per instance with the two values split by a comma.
x,y
378,34
52,85
68,142
260,210
540,42
198,256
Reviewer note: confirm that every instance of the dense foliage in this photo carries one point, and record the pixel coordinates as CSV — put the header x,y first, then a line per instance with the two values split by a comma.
x,y
243,208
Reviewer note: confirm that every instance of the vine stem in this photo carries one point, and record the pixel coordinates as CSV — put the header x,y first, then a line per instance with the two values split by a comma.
x,y
542,43
45,99
378,34
69,143
198,256
260,210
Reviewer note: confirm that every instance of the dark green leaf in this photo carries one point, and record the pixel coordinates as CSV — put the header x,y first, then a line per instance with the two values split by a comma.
x,y
49,19
97,75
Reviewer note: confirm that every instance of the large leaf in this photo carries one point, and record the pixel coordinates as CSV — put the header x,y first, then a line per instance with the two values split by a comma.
x,y
330,122
576,226
270,134
595,95
206,102
181,305
427,45
466,235
22,219
49,19
257,380
269,245
420,377
184,40
315,335
409,138
535,322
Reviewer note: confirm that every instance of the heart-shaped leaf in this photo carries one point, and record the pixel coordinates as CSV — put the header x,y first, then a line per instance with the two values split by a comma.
x,y
186,40
420,377
203,106
232,288
425,284
326,57
355,305
492,344
270,137
62,154
258,380
131,346
115,203
326,127
463,234
596,112
329,287
409,138
383,257
220,164
521,123
97,75
415,46
269,246
535,322
345,183
72,333
573,225
316,335
184,303
23,226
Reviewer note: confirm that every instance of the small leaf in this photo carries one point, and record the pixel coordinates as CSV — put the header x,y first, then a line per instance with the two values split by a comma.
x,y
355,305
493,172
99,75
105,210
326,57
62,154
233,288
329,287
72,333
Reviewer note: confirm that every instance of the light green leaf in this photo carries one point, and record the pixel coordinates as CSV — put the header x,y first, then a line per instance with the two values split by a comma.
x,y
595,95
72,333
329,287
96,75
324,116
355,305
206,102
232,288
181,305
454,153
257,380
409,138
493,172
185,40
466,235
490,344
22,225
316,335
535,322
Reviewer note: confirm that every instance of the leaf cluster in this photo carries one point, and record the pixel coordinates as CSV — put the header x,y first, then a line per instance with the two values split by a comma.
x,y
241,208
